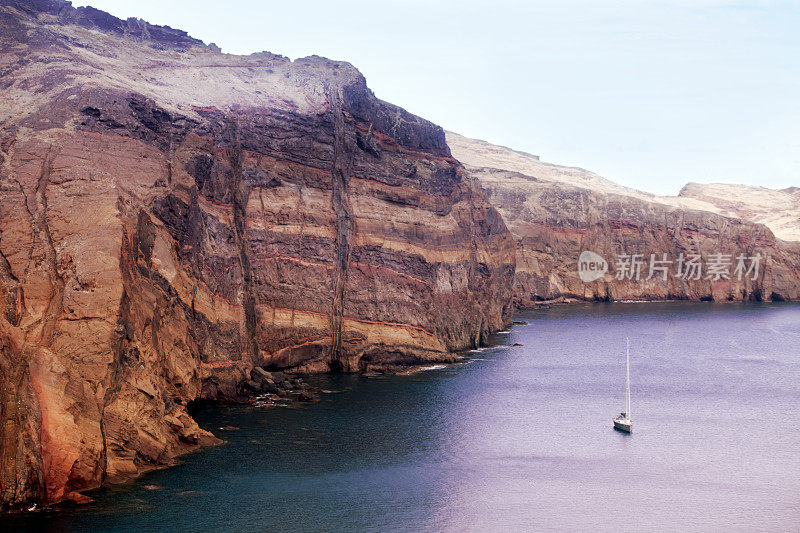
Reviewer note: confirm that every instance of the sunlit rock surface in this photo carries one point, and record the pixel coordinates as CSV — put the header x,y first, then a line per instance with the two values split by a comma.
x,y
172,217
557,212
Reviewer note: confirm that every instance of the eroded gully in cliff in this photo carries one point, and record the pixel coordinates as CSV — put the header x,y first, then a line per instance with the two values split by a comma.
x,y
16,353
240,195
340,202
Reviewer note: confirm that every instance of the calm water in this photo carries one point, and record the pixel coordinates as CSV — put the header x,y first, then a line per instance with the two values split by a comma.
x,y
517,438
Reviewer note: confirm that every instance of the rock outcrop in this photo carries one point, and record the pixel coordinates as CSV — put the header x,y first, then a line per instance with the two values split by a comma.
x,y
778,209
172,217
556,213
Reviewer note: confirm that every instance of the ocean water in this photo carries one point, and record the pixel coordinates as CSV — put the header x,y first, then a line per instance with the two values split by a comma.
x,y
516,438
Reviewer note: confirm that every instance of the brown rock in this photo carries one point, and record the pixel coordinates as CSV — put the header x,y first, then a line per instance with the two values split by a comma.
x,y
77,497
163,235
173,422
306,397
260,374
556,213
189,436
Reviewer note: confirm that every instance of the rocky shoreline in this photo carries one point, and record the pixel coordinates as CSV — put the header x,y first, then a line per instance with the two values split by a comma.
x,y
179,226
168,238
556,213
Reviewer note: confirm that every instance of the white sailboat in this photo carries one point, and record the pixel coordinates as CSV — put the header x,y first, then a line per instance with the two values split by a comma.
x,y
623,422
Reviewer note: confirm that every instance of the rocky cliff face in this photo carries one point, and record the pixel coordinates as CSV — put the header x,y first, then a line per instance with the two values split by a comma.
x,y
556,213
779,210
172,217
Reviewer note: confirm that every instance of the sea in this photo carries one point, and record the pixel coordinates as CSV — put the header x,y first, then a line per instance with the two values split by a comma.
x,y
516,437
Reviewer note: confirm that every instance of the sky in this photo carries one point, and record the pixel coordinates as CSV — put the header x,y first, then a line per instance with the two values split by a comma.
x,y
649,94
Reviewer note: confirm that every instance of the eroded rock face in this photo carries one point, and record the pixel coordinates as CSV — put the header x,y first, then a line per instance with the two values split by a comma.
x,y
171,217
556,213
778,209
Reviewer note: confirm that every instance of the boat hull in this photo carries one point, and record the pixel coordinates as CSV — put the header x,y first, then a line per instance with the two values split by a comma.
x,y
626,427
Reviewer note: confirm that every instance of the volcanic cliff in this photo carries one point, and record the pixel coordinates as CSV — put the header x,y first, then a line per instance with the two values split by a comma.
x,y
779,209
175,222
557,212
172,217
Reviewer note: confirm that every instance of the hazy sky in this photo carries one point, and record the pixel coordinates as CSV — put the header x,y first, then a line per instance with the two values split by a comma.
x,y
648,94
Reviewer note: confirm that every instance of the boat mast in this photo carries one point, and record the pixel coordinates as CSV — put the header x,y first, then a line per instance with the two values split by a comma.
x,y
628,377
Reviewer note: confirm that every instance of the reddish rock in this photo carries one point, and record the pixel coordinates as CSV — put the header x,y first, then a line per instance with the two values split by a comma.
x,y
555,213
172,217
306,397
77,497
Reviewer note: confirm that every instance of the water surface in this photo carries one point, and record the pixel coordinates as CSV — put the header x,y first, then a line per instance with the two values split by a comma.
x,y
517,438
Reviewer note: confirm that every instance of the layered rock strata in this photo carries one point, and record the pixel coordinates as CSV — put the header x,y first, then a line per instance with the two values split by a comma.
x,y
172,217
778,209
556,213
